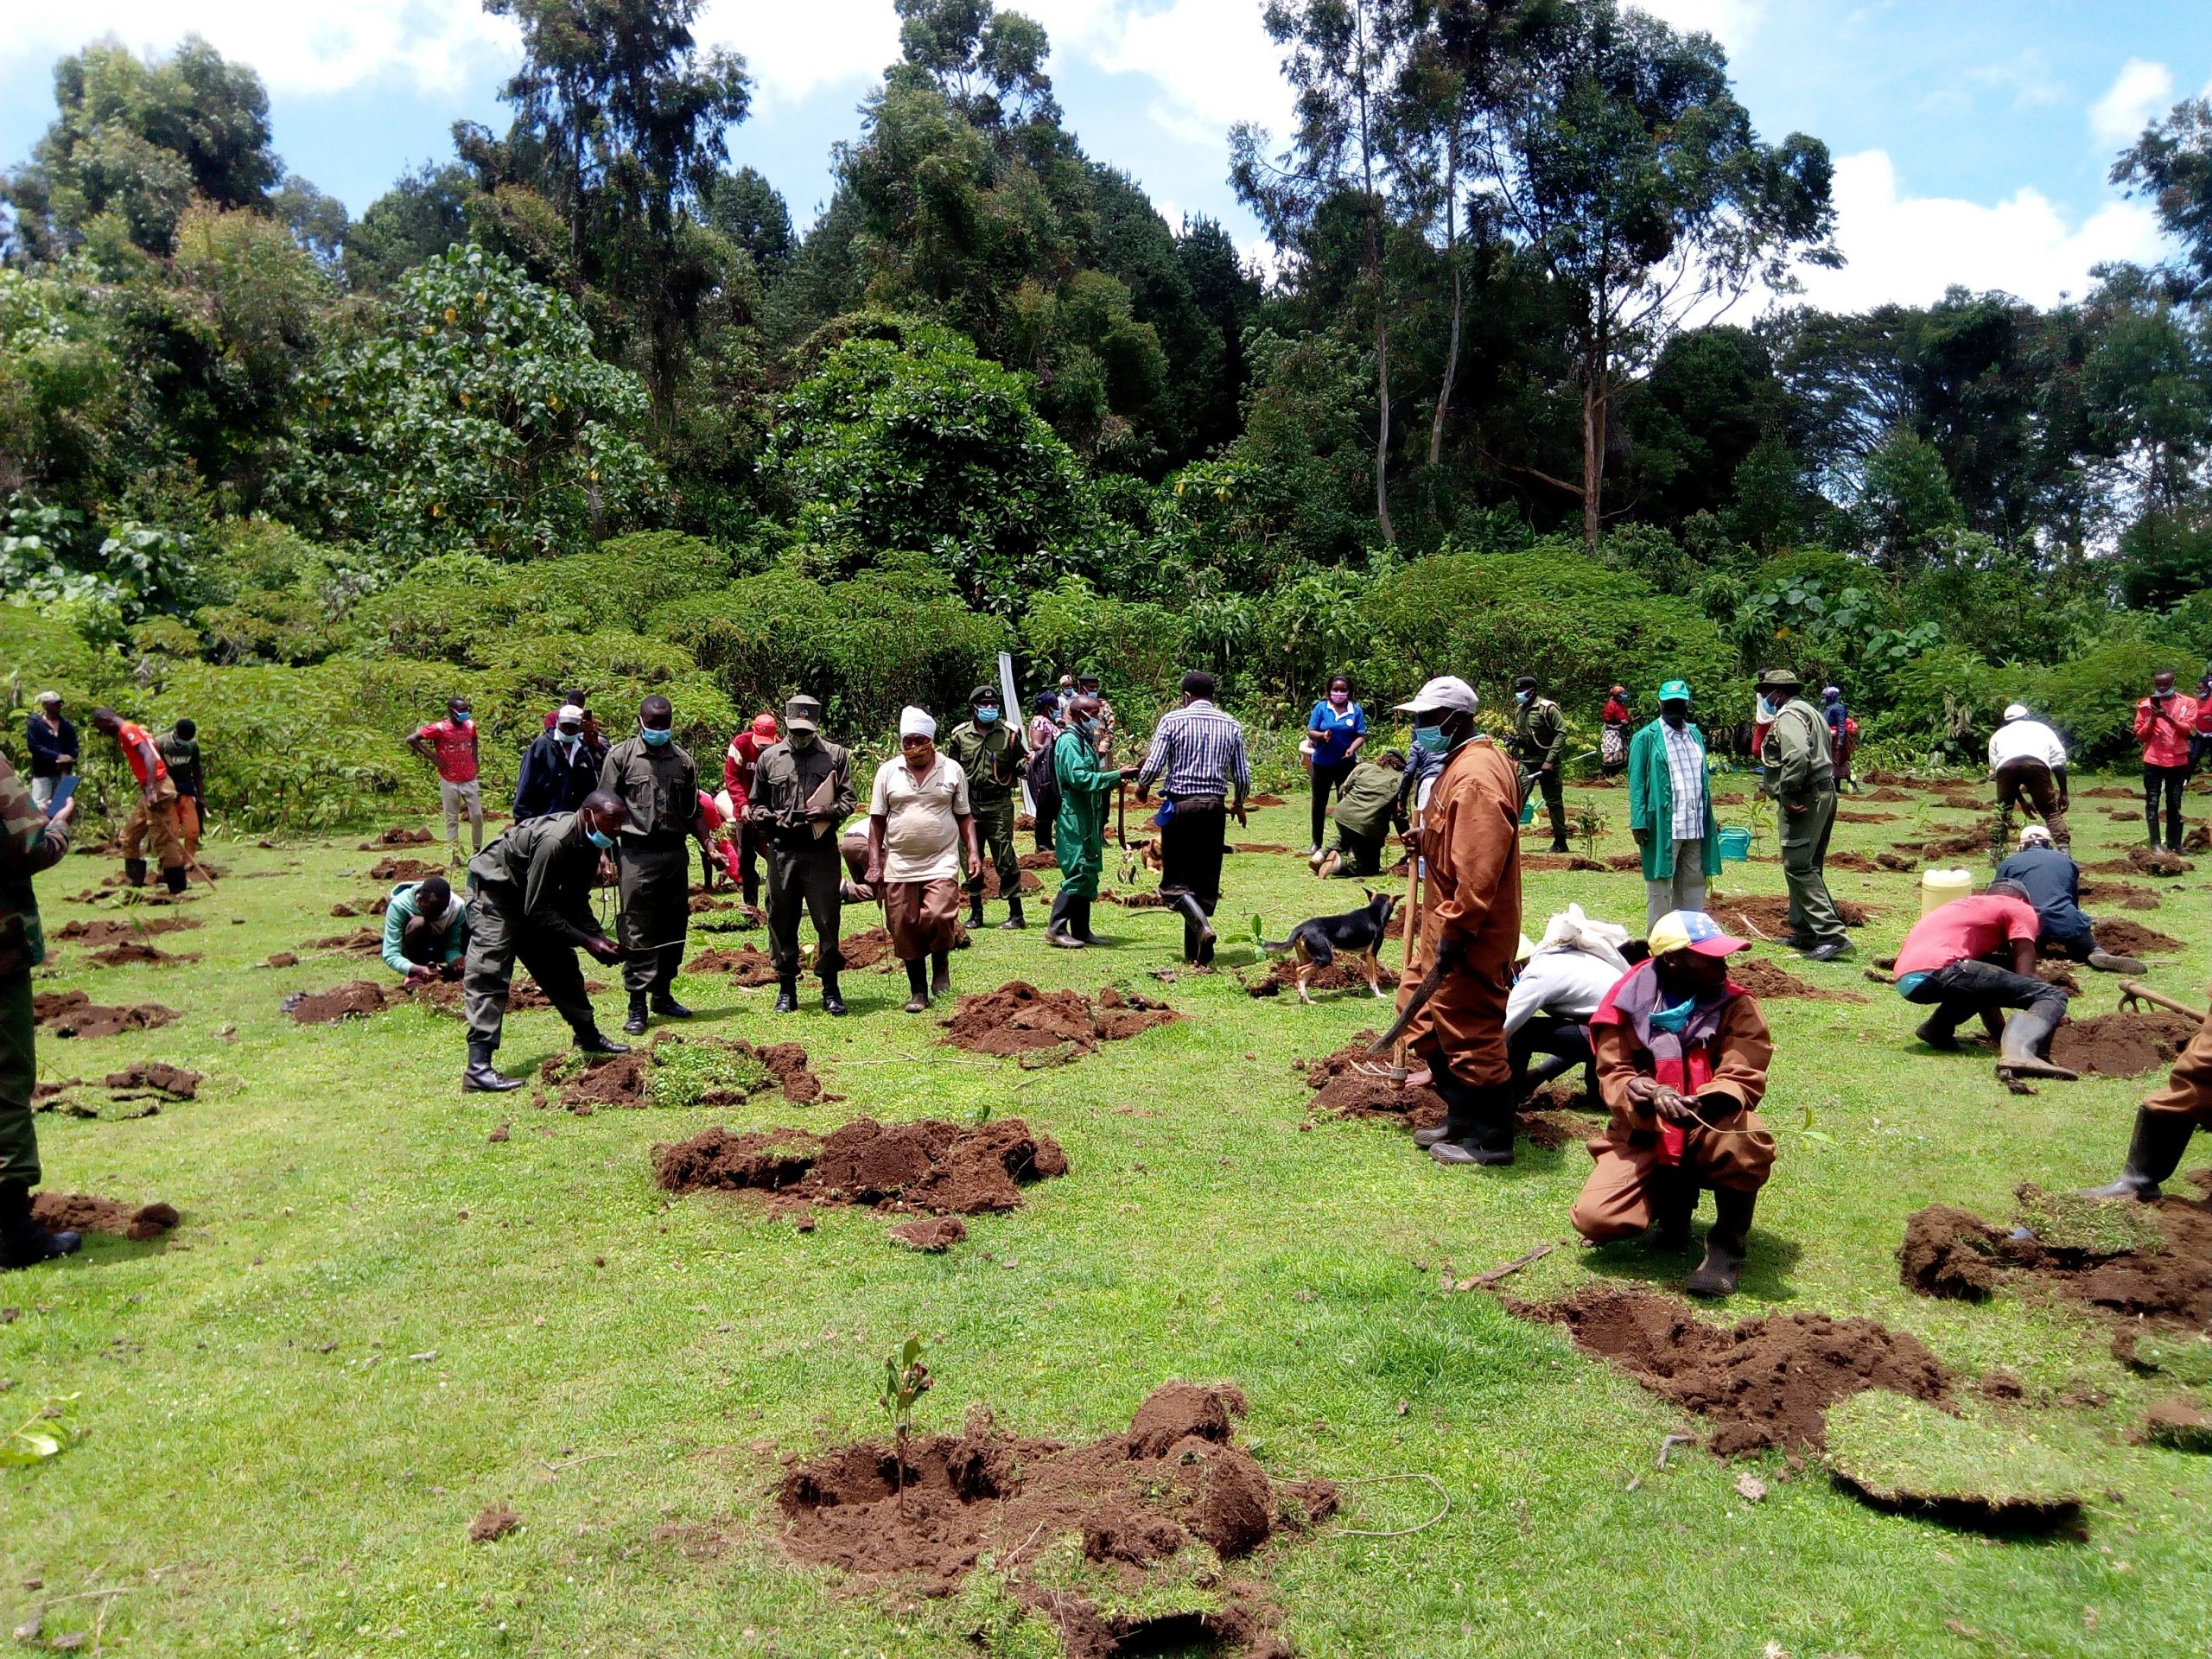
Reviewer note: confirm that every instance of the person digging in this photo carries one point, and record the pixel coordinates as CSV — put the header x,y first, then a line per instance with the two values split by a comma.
x,y
153,821
2164,1122
1682,1056
530,902
1951,960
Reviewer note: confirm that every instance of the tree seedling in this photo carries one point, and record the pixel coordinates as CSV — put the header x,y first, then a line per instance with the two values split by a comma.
x,y
906,1380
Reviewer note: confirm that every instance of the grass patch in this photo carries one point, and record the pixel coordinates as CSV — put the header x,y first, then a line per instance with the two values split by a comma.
x,y
1910,1455
2065,1221
689,1070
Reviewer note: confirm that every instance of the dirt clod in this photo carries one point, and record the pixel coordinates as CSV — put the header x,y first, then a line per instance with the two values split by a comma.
x,y
2141,860
2178,1423
2122,1045
1949,1253
1018,1018
396,836
496,1521
1763,1382
2125,938
72,1014
401,869
1281,978
1130,1509
351,1001
80,1212
160,1076
746,965
934,1235
931,1167
135,953
1766,916
105,932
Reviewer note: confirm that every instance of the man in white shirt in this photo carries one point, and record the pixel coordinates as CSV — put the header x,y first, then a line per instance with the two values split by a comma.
x,y
2028,763
918,826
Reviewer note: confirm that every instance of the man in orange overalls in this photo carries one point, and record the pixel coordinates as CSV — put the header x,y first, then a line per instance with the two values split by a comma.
x,y
2164,1122
154,819
1471,914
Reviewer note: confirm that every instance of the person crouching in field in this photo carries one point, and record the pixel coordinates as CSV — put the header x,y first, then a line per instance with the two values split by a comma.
x,y
425,931
1370,801
1682,1056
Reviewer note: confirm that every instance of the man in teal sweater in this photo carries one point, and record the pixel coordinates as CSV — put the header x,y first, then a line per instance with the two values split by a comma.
x,y
425,929
1670,808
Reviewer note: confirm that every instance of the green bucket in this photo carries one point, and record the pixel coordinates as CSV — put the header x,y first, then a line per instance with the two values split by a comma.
x,y
1529,811
1735,844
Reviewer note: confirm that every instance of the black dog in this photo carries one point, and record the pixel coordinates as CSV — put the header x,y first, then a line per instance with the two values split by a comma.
x,y
1358,934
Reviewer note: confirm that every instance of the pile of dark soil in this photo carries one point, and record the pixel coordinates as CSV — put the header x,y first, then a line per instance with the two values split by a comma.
x,y
2141,860
1956,802
351,1001
2059,972
2110,793
1953,1252
1281,978
1763,978
1764,1382
2197,838
1858,862
130,932
1767,916
155,1077
2124,894
746,965
1018,1018
992,890
2177,1423
1547,862
1896,862
80,1212
1886,792
403,869
2122,1045
72,1014
135,953
1975,843
1143,898
1351,1083
1134,1518
1263,800
2125,938
933,1235
1040,860
1842,816
870,948
929,1167
396,836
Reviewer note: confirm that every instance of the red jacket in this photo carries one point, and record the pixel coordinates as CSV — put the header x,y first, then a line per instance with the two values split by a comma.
x,y
2165,741
739,761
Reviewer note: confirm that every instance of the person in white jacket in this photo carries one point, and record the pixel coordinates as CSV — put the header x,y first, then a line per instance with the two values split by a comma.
x,y
2028,764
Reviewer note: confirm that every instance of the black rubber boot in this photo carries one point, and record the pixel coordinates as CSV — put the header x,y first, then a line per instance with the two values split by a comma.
x,y
480,1078
2153,1153
1478,1127
1057,929
134,871
918,986
1079,922
2025,1034
2107,961
1725,1245
1559,846
1014,919
941,973
1672,1198
23,1243
174,877
635,1025
831,1002
1939,1029
787,996
975,908
1198,931
593,1040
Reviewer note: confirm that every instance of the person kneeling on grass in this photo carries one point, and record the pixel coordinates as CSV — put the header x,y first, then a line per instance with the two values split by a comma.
x,y
1369,803
1563,981
1950,960
425,931
2052,881
1682,1056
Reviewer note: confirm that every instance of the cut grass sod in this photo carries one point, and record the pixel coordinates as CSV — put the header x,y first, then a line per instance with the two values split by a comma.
x,y
377,1321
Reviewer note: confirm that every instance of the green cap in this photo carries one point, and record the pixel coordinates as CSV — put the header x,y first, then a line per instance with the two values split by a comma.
x,y
1675,691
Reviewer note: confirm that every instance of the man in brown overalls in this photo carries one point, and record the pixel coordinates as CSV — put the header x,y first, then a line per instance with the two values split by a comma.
x,y
1471,913
2164,1122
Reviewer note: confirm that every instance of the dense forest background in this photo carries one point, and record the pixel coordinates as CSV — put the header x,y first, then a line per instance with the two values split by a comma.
x,y
1522,388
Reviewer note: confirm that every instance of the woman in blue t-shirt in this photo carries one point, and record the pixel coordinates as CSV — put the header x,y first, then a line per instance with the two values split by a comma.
x,y
1337,729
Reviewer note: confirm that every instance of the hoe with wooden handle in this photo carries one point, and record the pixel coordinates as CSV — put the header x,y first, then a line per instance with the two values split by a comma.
x,y
2133,992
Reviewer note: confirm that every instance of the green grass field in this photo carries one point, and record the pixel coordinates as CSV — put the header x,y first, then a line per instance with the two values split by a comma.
x,y
373,1321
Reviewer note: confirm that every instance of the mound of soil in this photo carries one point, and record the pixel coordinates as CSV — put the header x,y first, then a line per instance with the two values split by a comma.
x,y
493,1523
396,836
1258,847
80,1212
1856,861
1767,1382
2197,838
2122,1045
2125,895
747,965
403,869
1040,860
1843,816
104,932
1145,899
1351,1083
931,1167
2110,793
1767,916
351,1001
1018,1018
2058,972
133,953
1543,861
1143,1515
72,1014
1762,978
1950,1252
933,1235
1887,793
866,949
158,1076
2125,938
2141,860
1281,978
625,1079
1263,800
2177,1423
992,890
1896,862
1973,844
1959,803
365,940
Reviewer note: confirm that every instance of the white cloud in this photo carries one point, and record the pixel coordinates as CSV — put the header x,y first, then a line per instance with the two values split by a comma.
x,y
1730,21
2028,74
1910,248
2141,91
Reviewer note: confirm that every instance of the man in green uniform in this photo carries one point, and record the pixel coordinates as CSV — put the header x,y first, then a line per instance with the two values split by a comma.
x,y
30,841
1366,807
656,778
1079,837
529,901
1106,727
1539,740
802,791
990,751
1801,776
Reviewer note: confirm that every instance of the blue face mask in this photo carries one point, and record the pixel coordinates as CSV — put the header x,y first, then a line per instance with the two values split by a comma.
x,y
656,735
1430,740
599,841
569,738
1523,696
987,716
1675,1019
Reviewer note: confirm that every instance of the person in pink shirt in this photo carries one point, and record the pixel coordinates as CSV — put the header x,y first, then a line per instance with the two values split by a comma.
x,y
449,745
1976,956
2163,723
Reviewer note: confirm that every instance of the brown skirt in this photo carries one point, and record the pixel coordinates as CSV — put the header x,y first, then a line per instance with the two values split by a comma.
x,y
921,916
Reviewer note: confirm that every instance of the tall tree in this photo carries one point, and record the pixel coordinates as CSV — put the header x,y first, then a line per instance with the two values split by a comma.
x,y
1341,62
1617,153
2171,164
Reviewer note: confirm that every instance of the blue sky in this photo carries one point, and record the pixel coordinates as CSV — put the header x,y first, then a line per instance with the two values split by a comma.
x,y
1973,136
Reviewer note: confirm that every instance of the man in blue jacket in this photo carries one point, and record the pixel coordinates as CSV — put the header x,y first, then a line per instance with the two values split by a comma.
x,y
1670,808
558,769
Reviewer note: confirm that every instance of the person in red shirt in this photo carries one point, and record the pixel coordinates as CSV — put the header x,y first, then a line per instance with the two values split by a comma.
x,y
450,745
1951,961
1612,733
739,761
2163,723
154,819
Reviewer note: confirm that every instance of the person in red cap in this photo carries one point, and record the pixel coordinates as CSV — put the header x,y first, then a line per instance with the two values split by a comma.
x,y
739,762
1682,1054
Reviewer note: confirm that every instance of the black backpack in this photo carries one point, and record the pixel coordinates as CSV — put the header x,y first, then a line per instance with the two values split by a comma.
x,y
1044,780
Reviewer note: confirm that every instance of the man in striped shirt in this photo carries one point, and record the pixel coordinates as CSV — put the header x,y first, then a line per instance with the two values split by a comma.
x,y
1198,758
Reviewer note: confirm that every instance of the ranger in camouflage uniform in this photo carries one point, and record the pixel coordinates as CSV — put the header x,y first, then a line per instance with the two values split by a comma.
x,y
993,755
1801,776
29,842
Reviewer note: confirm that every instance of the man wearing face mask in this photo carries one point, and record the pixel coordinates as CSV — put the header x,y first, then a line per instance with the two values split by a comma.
x,y
1800,772
655,777
990,751
1079,834
1470,927
558,769
449,745
530,902
802,791
1539,741
1670,808
1197,756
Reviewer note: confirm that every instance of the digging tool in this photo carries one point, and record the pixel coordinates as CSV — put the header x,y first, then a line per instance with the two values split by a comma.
x,y
1122,814
1445,960
2134,991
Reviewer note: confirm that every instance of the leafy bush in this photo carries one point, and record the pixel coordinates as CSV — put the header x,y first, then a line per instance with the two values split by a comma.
x,y
1070,625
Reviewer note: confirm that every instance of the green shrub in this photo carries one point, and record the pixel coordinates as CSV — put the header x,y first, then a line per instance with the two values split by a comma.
x,y
1070,625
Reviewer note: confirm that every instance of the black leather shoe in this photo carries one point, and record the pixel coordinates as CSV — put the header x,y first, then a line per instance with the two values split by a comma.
x,y
635,1025
669,1008
23,1243
786,996
595,1041
1834,950
832,1004
481,1079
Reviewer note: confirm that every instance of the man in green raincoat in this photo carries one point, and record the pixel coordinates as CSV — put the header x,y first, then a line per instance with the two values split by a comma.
x,y
1670,808
1079,836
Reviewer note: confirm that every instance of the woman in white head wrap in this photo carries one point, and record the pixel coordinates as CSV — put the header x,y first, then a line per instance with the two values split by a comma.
x,y
1560,985
918,829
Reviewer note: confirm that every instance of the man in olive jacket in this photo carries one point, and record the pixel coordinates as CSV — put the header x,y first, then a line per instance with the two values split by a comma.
x,y
1801,776
656,778
1670,808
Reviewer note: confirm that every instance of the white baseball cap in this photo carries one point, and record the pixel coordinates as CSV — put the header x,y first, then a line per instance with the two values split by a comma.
x,y
1446,693
2016,711
567,711
2035,835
